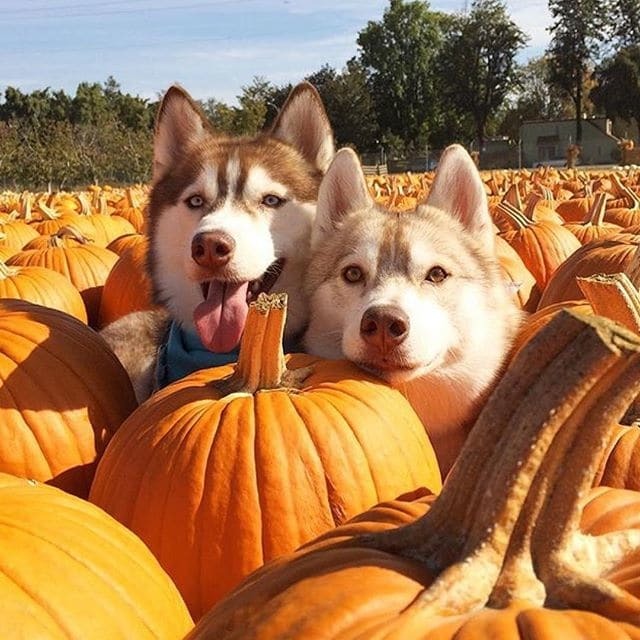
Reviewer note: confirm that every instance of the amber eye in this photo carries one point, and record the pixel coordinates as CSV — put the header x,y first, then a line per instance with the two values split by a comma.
x,y
352,274
437,274
272,201
195,202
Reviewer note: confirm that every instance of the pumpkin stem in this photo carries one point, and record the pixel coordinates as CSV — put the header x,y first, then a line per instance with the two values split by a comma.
x,y
623,191
513,215
482,538
25,199
613,296
47,212
512,196
532,202
597,210
261,364
68,231
85,205
5,271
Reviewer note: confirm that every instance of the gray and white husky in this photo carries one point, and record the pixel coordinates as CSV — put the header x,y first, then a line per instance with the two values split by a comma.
x,y
416,297
229,217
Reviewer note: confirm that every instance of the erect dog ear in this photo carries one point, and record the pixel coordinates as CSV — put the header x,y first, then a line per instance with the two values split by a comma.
x,y
458,190
343,190
179,123
303,123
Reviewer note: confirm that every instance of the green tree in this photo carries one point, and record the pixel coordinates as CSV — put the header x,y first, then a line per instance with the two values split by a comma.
x,y
625,22
478,62
219,114
349,105
398,56
617,91
533,98
250,116
576,32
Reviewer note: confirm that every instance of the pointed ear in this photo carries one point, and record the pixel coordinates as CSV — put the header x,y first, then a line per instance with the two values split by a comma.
x,y
179,123
458,190
343,190
303,123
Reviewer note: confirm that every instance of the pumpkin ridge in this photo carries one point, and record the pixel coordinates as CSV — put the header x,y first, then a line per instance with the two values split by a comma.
x,y
332,495
94,569
58,620
52,399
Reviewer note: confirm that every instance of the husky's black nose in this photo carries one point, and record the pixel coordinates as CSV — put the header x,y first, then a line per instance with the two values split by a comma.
x,y
384,326
212,249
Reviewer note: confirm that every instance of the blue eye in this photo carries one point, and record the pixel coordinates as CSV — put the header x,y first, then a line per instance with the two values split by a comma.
x,y
272,201
195,202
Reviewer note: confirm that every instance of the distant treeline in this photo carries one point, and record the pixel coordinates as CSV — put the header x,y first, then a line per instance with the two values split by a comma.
x,y
420,78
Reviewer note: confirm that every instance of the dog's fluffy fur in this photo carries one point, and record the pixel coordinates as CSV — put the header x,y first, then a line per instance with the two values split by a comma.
x,y
416,297
261,192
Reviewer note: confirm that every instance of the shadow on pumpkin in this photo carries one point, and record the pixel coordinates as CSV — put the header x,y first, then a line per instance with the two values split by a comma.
x,y
63,394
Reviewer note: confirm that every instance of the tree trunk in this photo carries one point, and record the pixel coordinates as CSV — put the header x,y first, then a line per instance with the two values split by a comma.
x,y
579,110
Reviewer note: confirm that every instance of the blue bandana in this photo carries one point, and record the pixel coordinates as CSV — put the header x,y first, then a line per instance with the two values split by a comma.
x,y
182,353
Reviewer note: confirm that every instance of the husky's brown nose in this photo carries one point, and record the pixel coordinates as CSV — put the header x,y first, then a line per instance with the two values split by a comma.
x,y
384,326
212,248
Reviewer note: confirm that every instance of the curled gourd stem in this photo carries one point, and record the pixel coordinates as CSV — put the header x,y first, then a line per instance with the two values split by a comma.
x,y
507,518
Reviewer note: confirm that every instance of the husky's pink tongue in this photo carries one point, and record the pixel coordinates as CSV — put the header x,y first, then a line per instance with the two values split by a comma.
x,y
220,318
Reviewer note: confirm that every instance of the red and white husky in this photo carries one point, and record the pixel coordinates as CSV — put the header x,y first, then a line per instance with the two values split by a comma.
x,y
229,217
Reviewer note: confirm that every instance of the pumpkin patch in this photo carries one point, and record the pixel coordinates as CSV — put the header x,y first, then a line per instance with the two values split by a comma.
x,y
294,497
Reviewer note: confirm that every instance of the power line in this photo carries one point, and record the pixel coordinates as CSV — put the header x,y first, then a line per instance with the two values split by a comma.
x,y
65,12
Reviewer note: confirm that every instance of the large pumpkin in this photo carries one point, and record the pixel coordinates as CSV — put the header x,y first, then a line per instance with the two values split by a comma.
x,y
70,571
41,286
127,287
86,266
499,555
219,474
543,246
62,396
609,255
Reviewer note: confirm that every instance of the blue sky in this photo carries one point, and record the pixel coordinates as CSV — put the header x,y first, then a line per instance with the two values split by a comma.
x,y
212,48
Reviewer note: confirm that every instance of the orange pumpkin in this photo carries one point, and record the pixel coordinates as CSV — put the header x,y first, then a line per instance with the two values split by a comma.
x,y
593,227
226,469
100,227
127,287
68,570
543,246
16,234
122,243
609,255
41,286
131,209
500,553
621,465
86,266
62,396
526,291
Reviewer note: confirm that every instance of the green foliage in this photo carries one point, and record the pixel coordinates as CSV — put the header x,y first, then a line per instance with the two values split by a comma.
x,y
478,62
577,29
617,91
420,78
532,98
398,55
349,105
625,22
52,140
